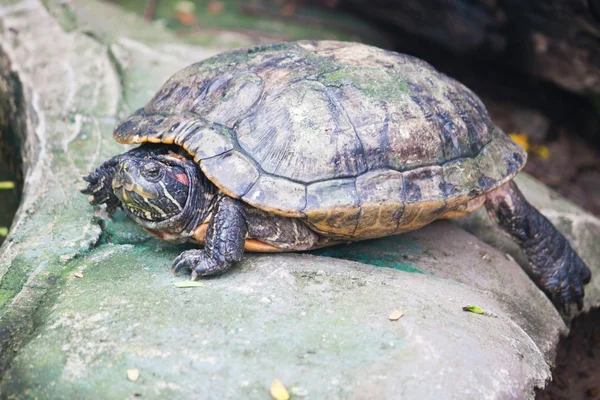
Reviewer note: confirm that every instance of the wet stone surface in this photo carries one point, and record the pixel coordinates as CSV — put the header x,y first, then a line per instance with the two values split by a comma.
x,y
84,299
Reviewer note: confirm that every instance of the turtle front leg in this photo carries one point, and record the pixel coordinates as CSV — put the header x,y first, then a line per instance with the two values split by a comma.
x,y
224,243
99,185
553,263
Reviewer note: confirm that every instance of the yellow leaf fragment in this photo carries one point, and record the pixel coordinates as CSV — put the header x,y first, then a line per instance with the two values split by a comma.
x,y
278,391
133,374
78,275
3,231
521,139
395,315
7,185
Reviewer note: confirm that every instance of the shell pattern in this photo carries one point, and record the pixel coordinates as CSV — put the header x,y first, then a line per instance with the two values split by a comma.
x,y
359,142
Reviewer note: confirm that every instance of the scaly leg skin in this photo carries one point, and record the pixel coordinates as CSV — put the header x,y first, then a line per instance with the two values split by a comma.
x,y
554,264
224,243
99,185
100,181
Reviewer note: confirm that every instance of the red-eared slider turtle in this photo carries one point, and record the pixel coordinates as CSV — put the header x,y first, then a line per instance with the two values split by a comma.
x,y
306,144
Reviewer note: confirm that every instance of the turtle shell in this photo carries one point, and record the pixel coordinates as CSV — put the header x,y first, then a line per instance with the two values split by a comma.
x,y
358,141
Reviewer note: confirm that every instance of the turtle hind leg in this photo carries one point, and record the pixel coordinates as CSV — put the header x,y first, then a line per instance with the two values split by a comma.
x,y
553,263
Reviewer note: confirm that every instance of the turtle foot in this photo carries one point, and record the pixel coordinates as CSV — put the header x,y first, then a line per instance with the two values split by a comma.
x,y
200,263
99,186
564,275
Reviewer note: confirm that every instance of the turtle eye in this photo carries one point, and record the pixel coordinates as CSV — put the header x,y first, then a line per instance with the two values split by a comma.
x,y
152,171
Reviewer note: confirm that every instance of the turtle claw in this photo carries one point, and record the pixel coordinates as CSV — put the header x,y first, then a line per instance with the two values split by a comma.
x,y
567,306
90,177
199,262
99,186
580,304
566,284
180,263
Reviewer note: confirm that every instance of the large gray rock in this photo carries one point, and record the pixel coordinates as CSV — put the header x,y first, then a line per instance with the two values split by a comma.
x,y
318,322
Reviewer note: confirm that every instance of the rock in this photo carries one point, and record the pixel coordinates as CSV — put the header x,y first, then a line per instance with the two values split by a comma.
x,y
556,40
316,322
328,333
531,122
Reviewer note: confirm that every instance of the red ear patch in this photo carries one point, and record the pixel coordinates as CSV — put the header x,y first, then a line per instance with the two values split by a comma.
x,y
176,156
183,178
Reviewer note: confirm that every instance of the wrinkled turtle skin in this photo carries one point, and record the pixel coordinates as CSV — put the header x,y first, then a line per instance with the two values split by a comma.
x,y
306,144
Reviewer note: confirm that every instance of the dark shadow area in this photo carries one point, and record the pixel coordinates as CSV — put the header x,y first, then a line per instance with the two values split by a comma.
x,y
577,372
12,131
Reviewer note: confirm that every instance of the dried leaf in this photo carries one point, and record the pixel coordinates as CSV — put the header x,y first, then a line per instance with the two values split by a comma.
x,y
473,309
133,374
7,185
78,275
278,391
521,139
395,315
187,284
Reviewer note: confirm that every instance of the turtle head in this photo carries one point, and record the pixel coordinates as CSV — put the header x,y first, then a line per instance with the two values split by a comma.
x,y
153,188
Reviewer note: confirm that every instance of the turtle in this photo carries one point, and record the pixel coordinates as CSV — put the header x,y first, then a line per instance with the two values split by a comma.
x,y
301,145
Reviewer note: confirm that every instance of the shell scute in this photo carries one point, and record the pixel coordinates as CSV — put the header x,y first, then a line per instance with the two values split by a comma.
x,y
207,141
332,206
463,174
226,102
425,199
302,134
274,192
382,198
235,169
